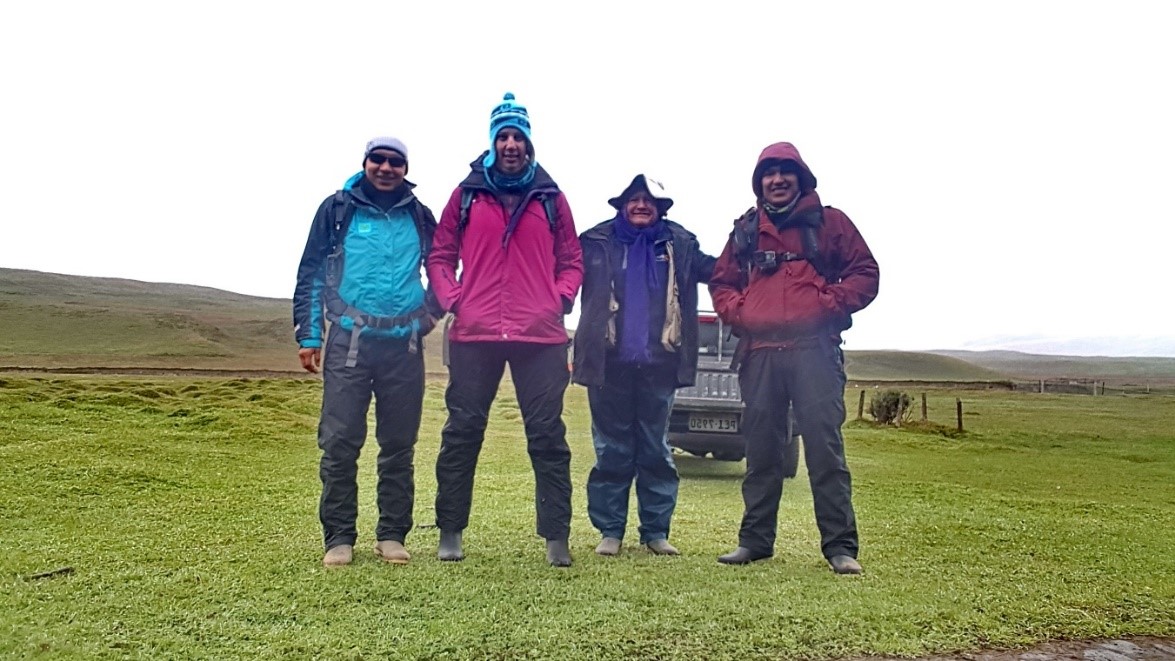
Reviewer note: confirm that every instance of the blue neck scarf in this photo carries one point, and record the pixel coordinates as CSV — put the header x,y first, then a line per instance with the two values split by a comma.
x,y
518,183
640,277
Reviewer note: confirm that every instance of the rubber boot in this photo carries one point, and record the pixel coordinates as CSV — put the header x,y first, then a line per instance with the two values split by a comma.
x,y
662,547
608,546
844,564
557,553
449,548
741,556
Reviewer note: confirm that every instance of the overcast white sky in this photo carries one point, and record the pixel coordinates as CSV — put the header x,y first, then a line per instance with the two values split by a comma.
x,y
1009,163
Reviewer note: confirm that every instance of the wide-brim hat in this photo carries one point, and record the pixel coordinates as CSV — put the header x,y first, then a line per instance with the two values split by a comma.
x,y
651,185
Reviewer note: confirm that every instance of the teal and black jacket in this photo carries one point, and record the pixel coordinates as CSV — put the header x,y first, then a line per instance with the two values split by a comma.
x,y
361,268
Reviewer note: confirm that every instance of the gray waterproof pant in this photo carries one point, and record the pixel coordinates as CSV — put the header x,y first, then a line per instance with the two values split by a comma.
x,y
395,376
811,377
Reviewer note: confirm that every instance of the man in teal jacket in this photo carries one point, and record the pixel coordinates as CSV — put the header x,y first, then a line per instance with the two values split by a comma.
x,y
361,271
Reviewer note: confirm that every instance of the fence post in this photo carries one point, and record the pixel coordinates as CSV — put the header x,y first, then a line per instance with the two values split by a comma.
x,y
861,407
959,412
1042,386
901,412
923,407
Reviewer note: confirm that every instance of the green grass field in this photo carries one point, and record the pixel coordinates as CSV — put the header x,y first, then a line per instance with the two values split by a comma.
x,y
186,510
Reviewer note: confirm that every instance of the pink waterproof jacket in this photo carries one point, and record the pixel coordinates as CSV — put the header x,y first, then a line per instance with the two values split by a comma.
x,y
511,288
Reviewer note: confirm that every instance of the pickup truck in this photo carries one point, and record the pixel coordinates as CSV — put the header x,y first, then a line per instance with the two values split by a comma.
x,y
707,417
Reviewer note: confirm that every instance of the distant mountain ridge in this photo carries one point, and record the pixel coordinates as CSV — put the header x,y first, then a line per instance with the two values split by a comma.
x,y
1118,369
1126,346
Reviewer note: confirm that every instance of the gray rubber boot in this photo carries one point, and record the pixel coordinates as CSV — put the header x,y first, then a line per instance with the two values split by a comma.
x,y
608,546
557,553
662,547
449,548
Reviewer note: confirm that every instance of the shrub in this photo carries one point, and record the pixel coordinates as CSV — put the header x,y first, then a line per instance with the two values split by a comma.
x,y
887,406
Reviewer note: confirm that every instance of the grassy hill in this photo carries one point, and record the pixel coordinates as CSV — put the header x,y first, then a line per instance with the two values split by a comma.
x,y
914,366
1034,366
50,320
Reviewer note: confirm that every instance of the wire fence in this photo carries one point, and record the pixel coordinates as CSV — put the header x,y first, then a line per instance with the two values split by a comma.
x,y
1053,386
1090,387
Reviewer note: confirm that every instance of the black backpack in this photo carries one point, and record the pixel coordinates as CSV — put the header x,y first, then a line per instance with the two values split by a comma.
x,y
745,236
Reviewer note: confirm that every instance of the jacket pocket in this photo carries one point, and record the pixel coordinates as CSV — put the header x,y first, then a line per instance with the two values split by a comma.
x,y
792,300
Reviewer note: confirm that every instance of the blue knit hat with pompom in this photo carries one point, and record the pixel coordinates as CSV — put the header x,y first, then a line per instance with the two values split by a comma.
x,y
508,114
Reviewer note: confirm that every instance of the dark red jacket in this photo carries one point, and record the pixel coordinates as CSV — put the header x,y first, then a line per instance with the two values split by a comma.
x,y
796,301
513,290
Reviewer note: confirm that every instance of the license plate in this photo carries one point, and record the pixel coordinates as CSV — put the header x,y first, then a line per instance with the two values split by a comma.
x,y
714,422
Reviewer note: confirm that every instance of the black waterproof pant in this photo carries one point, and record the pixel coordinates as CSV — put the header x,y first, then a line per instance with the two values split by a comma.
x,y
396,377
811,377
540,378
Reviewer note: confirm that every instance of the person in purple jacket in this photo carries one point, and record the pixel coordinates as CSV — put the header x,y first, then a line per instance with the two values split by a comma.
x,y
509,227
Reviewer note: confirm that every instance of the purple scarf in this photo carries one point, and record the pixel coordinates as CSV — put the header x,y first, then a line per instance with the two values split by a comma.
x,y
640,277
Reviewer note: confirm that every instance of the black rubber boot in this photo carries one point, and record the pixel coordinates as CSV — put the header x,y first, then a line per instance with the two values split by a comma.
x,y
844,564
557,553
449,548
741,556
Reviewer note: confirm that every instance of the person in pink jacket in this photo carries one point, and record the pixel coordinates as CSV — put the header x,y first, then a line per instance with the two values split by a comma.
x,y
511,230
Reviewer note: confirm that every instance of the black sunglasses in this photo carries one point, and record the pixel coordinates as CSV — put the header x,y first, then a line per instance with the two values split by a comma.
x,y
380,159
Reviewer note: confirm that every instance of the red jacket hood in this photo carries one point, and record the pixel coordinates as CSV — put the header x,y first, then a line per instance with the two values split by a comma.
x,y
782,151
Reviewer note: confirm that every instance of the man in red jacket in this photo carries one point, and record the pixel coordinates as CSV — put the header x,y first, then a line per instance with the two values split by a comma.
x,y
787,282
512,231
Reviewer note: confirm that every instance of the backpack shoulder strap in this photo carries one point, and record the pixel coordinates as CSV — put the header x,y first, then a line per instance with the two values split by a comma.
x,y
746,238
425,227
466,203
343,211
812,249
419,216
548,201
